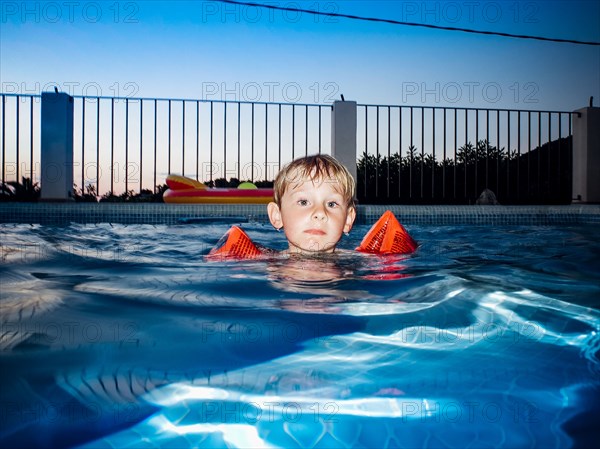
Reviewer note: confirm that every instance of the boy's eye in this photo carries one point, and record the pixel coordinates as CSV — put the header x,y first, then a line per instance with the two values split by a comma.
x,y
332,204
302,202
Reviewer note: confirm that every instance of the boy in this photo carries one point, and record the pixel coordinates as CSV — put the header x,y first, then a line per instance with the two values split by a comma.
x,y
314,204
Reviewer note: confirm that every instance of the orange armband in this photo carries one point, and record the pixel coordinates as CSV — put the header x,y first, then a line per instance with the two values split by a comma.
x,y
387,236
235,244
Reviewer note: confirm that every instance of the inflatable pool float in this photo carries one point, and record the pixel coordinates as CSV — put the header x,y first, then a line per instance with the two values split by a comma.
x,y
186,190
386,236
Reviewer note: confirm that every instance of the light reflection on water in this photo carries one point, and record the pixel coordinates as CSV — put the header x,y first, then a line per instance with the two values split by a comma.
x,y
118,336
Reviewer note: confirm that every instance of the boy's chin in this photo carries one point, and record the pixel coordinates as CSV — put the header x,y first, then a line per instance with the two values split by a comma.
x,y
312,249
311,245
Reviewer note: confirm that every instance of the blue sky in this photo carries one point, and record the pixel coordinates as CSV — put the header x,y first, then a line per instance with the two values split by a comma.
x,y
209,50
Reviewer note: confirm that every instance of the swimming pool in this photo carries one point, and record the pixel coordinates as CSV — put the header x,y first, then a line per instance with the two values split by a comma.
x,y
124,336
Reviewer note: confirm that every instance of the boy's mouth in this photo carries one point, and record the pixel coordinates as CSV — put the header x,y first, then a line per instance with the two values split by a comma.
x,y
314,232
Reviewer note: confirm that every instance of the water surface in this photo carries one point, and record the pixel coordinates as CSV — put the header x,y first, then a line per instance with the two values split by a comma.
x,y
125,336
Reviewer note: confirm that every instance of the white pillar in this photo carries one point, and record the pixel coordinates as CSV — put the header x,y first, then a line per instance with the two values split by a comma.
x,y
343,134
57,147
586,155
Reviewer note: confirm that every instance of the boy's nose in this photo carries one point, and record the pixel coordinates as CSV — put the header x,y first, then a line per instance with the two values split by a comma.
x,y
319,214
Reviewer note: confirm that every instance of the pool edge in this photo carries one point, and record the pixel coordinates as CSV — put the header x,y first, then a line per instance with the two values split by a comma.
x,y
160,213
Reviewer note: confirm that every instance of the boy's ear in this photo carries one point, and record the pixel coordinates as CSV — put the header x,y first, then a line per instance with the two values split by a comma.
x,y
274,215
350,217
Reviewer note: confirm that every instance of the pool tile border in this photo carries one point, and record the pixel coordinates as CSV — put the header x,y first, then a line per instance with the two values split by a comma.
x,y
160,213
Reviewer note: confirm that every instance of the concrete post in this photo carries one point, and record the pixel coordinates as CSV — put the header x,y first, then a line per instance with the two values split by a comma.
x,y
57,147
586,155
343,134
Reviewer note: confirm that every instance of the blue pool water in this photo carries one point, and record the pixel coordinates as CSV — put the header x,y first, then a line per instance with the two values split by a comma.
x,y
124,336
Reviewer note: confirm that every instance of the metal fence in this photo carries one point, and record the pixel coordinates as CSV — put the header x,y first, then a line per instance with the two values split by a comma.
x,y
406,154
418,154
132,144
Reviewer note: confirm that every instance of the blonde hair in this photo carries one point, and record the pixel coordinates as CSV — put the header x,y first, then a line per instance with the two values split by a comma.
x,y
317,168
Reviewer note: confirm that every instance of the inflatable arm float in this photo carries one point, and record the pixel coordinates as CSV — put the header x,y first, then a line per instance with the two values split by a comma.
x,y
187,190
386,236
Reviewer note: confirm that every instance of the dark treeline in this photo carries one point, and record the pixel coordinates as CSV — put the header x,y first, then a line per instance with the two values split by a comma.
x,y
540,176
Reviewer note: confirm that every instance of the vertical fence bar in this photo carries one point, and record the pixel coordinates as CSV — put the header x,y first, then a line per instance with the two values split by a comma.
x,y
31,138
127,146
539,154
475,192
400,152
455,148
211,141
366,146
508,159
319,107
466,147
279,138
445,155
570,147
389,154
487,147
197,140
183,138
293,131
528,154
412,150
155,146
239,167
559,146
498,153
169,138
433,154
98,146
266,138
306,130
549,148
82,144
225,141
141,145
252,147
518,154
112,145
377,151
422,181
3,139
18,141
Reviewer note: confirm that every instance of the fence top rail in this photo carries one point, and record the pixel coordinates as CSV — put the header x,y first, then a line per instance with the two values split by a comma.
x,y
462,108
188,100
2,94
269,103
195,100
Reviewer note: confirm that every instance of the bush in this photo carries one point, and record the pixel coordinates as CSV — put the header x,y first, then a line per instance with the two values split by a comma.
x,y
26,191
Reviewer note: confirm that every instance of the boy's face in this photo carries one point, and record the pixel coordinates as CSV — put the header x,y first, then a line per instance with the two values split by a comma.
x,y
313,215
